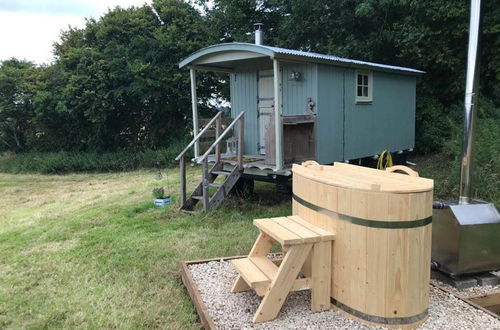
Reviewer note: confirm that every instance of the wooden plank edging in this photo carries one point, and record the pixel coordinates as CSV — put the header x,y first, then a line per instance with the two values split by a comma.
x,y
473,304
194,293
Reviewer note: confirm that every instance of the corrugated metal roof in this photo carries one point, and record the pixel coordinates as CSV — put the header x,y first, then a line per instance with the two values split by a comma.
x,y
295,54
334,58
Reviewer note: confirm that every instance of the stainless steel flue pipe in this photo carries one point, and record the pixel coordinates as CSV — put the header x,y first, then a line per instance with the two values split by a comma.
x,y
259,34
471,87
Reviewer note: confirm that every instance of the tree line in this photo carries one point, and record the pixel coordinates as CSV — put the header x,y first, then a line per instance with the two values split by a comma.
x,y
115,84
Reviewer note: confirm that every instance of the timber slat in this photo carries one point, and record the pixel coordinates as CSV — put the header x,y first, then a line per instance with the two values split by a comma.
x,y
278,232
325,235
250,273
221,172
307,235
267,267
292,230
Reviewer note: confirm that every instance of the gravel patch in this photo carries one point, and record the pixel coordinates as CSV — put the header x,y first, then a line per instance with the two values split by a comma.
x,y
469,292
236,310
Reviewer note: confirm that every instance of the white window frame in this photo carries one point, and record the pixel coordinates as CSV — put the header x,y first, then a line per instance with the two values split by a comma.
x,y
369,97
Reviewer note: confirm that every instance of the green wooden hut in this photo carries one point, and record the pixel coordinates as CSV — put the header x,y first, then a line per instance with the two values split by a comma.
x,y
306,106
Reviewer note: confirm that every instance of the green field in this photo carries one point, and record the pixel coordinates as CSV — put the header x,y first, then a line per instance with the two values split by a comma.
x,y
90,251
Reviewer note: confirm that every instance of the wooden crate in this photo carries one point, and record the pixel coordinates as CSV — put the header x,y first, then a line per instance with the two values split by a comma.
x,y
381,255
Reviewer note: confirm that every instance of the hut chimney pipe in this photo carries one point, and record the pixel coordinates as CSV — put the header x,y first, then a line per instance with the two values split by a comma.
x,y
470,104
259,34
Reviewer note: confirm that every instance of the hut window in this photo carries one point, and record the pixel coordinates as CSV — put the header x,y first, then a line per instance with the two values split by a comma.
x,y
364,86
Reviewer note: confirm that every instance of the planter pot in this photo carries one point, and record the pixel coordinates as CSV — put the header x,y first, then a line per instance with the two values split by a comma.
x,y
162,202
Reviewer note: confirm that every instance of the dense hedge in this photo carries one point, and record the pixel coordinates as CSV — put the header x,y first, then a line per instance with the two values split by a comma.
x,y
70,162
486,161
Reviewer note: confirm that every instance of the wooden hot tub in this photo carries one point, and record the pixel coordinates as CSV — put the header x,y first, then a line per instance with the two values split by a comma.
x,y
381,255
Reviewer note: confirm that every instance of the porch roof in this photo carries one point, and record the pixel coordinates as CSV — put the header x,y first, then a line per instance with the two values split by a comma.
x,y
227,56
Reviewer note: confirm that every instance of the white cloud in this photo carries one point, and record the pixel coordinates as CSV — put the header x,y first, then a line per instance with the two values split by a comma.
x,y
102,6
30,36
47,6
28,29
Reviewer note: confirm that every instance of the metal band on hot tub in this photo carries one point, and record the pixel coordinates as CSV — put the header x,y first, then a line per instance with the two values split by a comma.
x,y
364,222
380,319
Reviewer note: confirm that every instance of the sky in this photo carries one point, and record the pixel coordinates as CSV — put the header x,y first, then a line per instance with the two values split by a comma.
x,y
28,28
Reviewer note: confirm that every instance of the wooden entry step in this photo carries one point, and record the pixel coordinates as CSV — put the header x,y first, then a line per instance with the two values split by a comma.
x,y
259,272
308,248
292,230
253,274
201,192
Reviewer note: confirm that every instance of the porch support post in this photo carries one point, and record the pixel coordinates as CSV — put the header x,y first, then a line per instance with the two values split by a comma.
x,y
194,105
278,128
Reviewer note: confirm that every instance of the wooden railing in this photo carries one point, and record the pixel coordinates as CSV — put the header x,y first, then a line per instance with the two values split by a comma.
x,y
182,156
204,158
199,135
218,139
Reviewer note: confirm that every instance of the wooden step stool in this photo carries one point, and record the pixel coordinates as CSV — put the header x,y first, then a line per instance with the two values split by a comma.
x,y
308,248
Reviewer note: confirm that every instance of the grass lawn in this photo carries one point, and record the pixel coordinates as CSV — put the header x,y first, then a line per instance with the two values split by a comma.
x,y
90,251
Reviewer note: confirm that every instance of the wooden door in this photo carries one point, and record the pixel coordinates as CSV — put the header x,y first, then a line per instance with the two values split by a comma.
x,y
266,106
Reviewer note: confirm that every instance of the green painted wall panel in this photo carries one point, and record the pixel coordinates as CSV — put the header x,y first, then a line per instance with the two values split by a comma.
x,y
330,118
387,123
296,92
344,129
243,91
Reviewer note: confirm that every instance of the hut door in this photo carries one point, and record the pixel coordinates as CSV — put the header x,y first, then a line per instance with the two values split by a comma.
x,y
266,106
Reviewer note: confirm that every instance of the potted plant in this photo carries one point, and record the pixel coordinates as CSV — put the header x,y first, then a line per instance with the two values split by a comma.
x,y
160,200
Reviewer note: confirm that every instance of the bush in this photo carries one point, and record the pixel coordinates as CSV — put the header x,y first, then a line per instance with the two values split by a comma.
x,y
444,167
70,162
432,126
486,160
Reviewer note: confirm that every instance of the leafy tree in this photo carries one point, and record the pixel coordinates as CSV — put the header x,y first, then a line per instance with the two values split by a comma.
x,y
123,87
19,82
55,126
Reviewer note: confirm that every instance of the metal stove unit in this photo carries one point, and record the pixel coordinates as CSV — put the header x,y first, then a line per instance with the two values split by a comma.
x,y
466,237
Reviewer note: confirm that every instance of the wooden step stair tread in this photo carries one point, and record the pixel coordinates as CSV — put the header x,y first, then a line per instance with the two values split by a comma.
x,y
268,267
197,197
264,266
192,212
221,172
325,235
250,272
307,235
292,230
277,232
216,185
